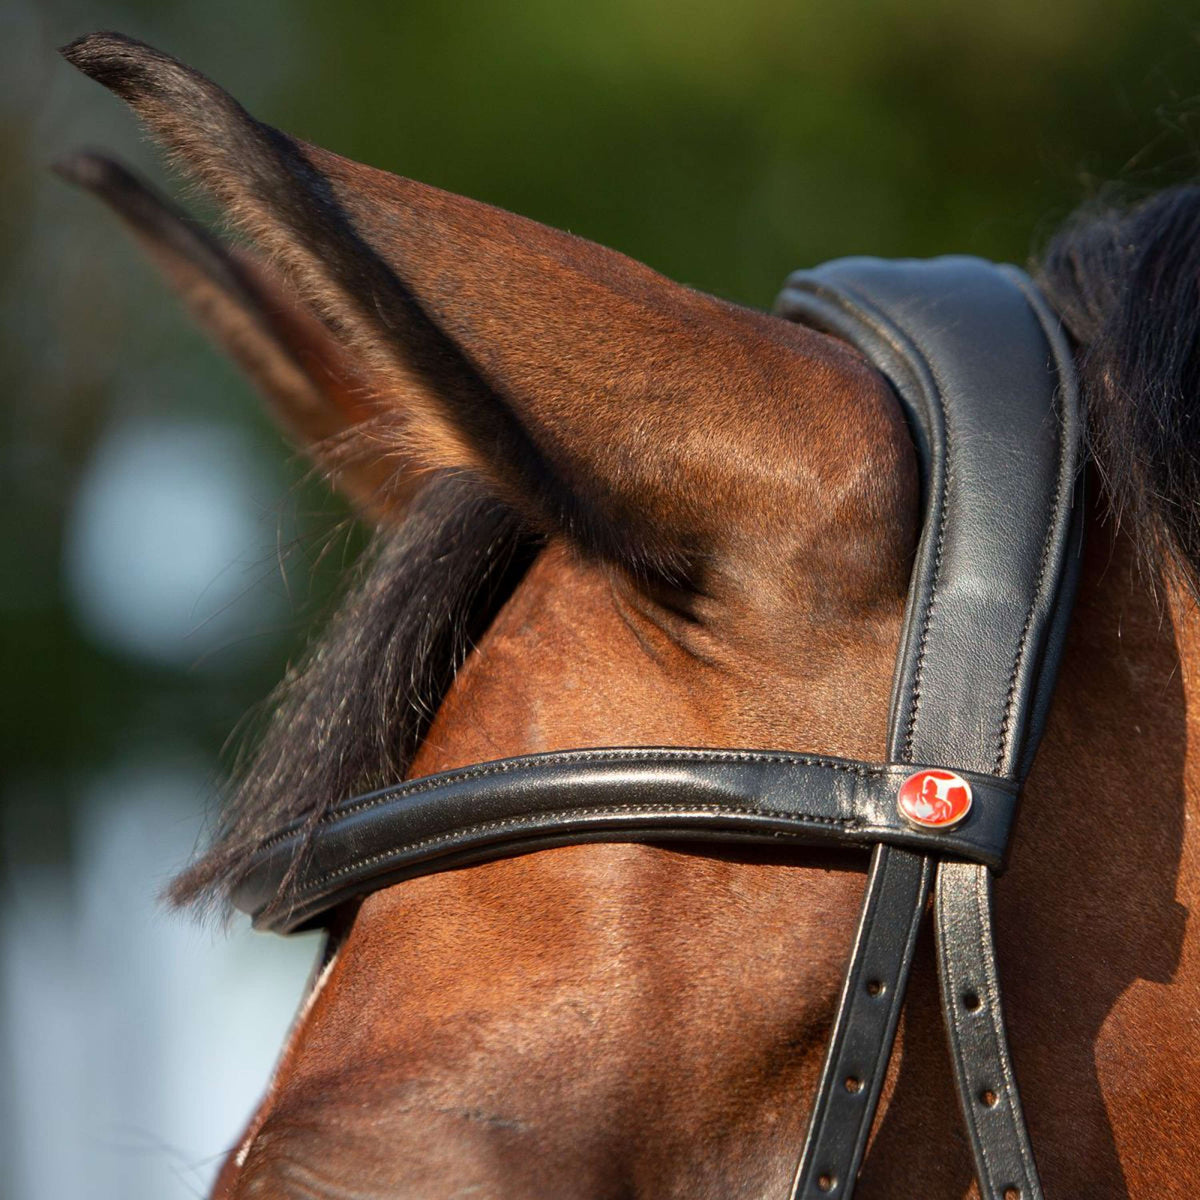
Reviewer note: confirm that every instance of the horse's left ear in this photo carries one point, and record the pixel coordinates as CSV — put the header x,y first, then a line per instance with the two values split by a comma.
x,y
316,391
655,425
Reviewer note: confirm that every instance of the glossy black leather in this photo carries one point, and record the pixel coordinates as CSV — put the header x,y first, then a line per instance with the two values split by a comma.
x,y
864,1027
983,1072
988,384
516,805
978,364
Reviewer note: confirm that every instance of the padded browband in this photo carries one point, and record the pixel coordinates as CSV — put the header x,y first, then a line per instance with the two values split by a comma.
x,y
494,809
987,383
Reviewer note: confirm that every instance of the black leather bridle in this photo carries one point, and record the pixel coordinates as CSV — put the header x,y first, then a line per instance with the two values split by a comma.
x,y
988,385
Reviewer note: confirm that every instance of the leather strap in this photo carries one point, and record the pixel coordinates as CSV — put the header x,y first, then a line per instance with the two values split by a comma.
x,y
495,810
987,382
967,971
864,1026
978,365
983,1072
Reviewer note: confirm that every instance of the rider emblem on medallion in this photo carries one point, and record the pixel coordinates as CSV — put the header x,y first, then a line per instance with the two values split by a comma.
x,y
934,799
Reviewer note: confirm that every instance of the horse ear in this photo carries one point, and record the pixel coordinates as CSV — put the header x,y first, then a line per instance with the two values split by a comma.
x,y
645,419
316,391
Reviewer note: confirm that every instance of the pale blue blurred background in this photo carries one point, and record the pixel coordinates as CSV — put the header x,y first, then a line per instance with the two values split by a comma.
x,y
164,554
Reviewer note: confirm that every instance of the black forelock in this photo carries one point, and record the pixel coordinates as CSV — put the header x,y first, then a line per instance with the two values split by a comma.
x,y
351,715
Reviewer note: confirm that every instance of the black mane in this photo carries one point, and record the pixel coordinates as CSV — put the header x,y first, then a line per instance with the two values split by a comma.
x,y
1126,282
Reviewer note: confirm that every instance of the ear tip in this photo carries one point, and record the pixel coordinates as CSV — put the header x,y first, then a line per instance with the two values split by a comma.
x,y
110,181
97,50
121,63
90,170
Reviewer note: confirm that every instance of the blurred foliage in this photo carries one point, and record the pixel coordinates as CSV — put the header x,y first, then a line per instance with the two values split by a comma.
x,y
724,144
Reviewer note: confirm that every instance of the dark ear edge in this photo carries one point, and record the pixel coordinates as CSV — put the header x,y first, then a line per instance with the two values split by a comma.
x,y
319,396
655,427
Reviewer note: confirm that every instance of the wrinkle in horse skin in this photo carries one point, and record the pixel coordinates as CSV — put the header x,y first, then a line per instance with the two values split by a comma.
x,y
298,1179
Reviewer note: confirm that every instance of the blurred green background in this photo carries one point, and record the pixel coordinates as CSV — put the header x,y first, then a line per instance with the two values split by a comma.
x,y
164,553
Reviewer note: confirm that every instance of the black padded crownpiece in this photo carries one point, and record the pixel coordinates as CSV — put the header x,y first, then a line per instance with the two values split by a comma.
x,y
987,382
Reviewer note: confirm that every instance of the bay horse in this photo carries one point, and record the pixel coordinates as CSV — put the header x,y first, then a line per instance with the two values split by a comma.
x,y
614,511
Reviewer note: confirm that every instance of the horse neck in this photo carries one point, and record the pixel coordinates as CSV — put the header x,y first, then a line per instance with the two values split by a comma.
x,y
1183,614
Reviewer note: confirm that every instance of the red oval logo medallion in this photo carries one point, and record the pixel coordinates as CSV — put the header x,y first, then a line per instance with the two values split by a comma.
x,y
934,799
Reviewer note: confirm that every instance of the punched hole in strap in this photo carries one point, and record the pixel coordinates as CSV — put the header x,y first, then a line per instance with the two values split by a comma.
x,y
827,1181
988,1098
1012,1192
971,1001
875,987
852,1084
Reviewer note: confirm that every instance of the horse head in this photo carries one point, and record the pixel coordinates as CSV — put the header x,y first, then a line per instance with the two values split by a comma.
x,y
614,511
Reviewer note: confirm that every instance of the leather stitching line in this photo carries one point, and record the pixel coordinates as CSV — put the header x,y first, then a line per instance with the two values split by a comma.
x,y
927,621
935,579
1006,723
1063,453
432,782
907,350
620,810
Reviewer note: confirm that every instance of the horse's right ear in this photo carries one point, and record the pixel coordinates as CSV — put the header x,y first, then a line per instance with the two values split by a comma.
x,y
654,425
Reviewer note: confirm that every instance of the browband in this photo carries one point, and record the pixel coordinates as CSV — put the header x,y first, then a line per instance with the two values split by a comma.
x,y
519,804
987,383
